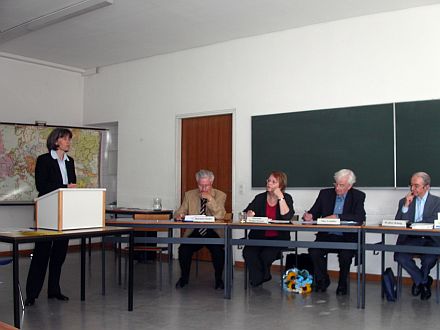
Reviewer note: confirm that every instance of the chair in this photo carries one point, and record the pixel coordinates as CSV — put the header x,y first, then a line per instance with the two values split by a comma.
x,y
4,262
157,249
400,277
228,216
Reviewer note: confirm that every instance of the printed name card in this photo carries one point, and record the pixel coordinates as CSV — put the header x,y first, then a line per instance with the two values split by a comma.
x,y
436,224
328,221
394,223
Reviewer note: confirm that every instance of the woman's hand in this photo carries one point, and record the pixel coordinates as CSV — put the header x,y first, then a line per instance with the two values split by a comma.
x,y
277,192
250,213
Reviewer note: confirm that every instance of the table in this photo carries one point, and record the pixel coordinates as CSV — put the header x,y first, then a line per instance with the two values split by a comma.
x,y
382,246
31,236
170,225
132,211
356,246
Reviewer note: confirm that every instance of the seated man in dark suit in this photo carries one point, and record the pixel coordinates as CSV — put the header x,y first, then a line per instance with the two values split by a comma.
x,y
343,202
418,206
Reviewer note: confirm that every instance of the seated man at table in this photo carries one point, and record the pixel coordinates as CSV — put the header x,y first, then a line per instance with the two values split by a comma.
x,y
209,201
347,204
418,206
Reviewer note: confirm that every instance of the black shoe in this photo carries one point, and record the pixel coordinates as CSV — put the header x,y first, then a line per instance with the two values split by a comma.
x,y
181,283
219,284
430,281
341,291
322,285
416,289
29,302
425,292
267,279
255,284
58,296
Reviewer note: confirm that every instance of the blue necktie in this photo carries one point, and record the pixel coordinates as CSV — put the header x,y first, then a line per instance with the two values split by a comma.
x,y
419,212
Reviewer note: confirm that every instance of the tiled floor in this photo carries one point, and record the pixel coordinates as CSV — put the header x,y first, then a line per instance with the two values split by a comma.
x,y
199,306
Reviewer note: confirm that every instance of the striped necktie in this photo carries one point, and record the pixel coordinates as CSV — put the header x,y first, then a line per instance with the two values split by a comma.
x,y
203,201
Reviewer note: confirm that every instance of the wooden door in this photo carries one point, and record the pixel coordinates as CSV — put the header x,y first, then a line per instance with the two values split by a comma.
x,y
207,144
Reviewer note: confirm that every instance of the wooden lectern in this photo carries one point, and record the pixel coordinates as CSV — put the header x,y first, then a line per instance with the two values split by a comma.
x,y
71,208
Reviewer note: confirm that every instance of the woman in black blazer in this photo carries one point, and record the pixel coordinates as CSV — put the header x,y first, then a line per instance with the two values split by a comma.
x,y
53,170
274,204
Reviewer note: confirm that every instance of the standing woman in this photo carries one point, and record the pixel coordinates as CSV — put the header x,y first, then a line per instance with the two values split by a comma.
x,y
53,170
276,205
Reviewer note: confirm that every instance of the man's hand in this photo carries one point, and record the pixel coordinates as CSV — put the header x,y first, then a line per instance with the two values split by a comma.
x,y
206,195
409,198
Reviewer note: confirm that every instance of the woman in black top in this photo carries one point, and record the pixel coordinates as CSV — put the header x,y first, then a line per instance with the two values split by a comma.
x,y
276,205
53,170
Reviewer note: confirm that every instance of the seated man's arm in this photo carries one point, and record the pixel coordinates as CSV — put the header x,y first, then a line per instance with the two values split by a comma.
x,y
216,205
183,209
357,210
400,215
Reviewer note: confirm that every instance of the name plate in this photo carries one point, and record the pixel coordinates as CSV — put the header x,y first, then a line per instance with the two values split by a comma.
x,y
436,224
257,219
328,221
199,218
394,223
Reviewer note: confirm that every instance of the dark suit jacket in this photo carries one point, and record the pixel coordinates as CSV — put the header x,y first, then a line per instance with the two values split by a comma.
x,y
353,207
432,207
258,205
48,174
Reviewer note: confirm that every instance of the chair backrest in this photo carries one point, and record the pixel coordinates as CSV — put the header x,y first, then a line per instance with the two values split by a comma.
x,y
228,216
153,216
139,216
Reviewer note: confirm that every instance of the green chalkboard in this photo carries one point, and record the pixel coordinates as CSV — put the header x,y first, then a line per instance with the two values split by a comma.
x,y
418,140
311,145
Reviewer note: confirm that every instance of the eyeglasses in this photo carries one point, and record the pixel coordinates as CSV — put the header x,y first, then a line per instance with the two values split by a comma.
x,y
271,181
339,185
417,186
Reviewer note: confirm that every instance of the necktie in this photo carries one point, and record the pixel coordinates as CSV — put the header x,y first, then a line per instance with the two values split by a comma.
x,y
419,211
203,201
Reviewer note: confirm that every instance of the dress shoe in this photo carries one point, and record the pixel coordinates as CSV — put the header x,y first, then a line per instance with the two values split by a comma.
x,y
425,292
267,278
181,283
341,290
58,296
322,285
416,289
219,284
29,302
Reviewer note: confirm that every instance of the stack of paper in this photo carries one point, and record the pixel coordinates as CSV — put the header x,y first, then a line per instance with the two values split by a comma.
x,y
422,225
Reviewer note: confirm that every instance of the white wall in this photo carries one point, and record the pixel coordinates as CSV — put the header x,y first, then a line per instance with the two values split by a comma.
x,y
30,92
373,59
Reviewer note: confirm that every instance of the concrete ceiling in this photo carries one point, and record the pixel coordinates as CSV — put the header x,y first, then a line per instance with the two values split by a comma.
x,y
132,29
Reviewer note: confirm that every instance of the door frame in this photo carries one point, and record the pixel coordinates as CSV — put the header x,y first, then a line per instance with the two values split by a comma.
x,y
178,153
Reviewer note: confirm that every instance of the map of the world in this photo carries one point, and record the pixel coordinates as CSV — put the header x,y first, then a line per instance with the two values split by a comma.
x,y
20,145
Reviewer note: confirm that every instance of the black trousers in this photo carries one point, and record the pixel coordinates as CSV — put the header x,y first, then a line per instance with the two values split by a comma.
x,y
258,260
55,251
319,258
217,255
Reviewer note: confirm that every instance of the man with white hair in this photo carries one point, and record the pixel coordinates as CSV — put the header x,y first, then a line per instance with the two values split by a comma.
x,y
347,204
418,206
209,201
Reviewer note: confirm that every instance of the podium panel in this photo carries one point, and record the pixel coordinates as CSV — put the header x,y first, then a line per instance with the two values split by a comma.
x,y
71,208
